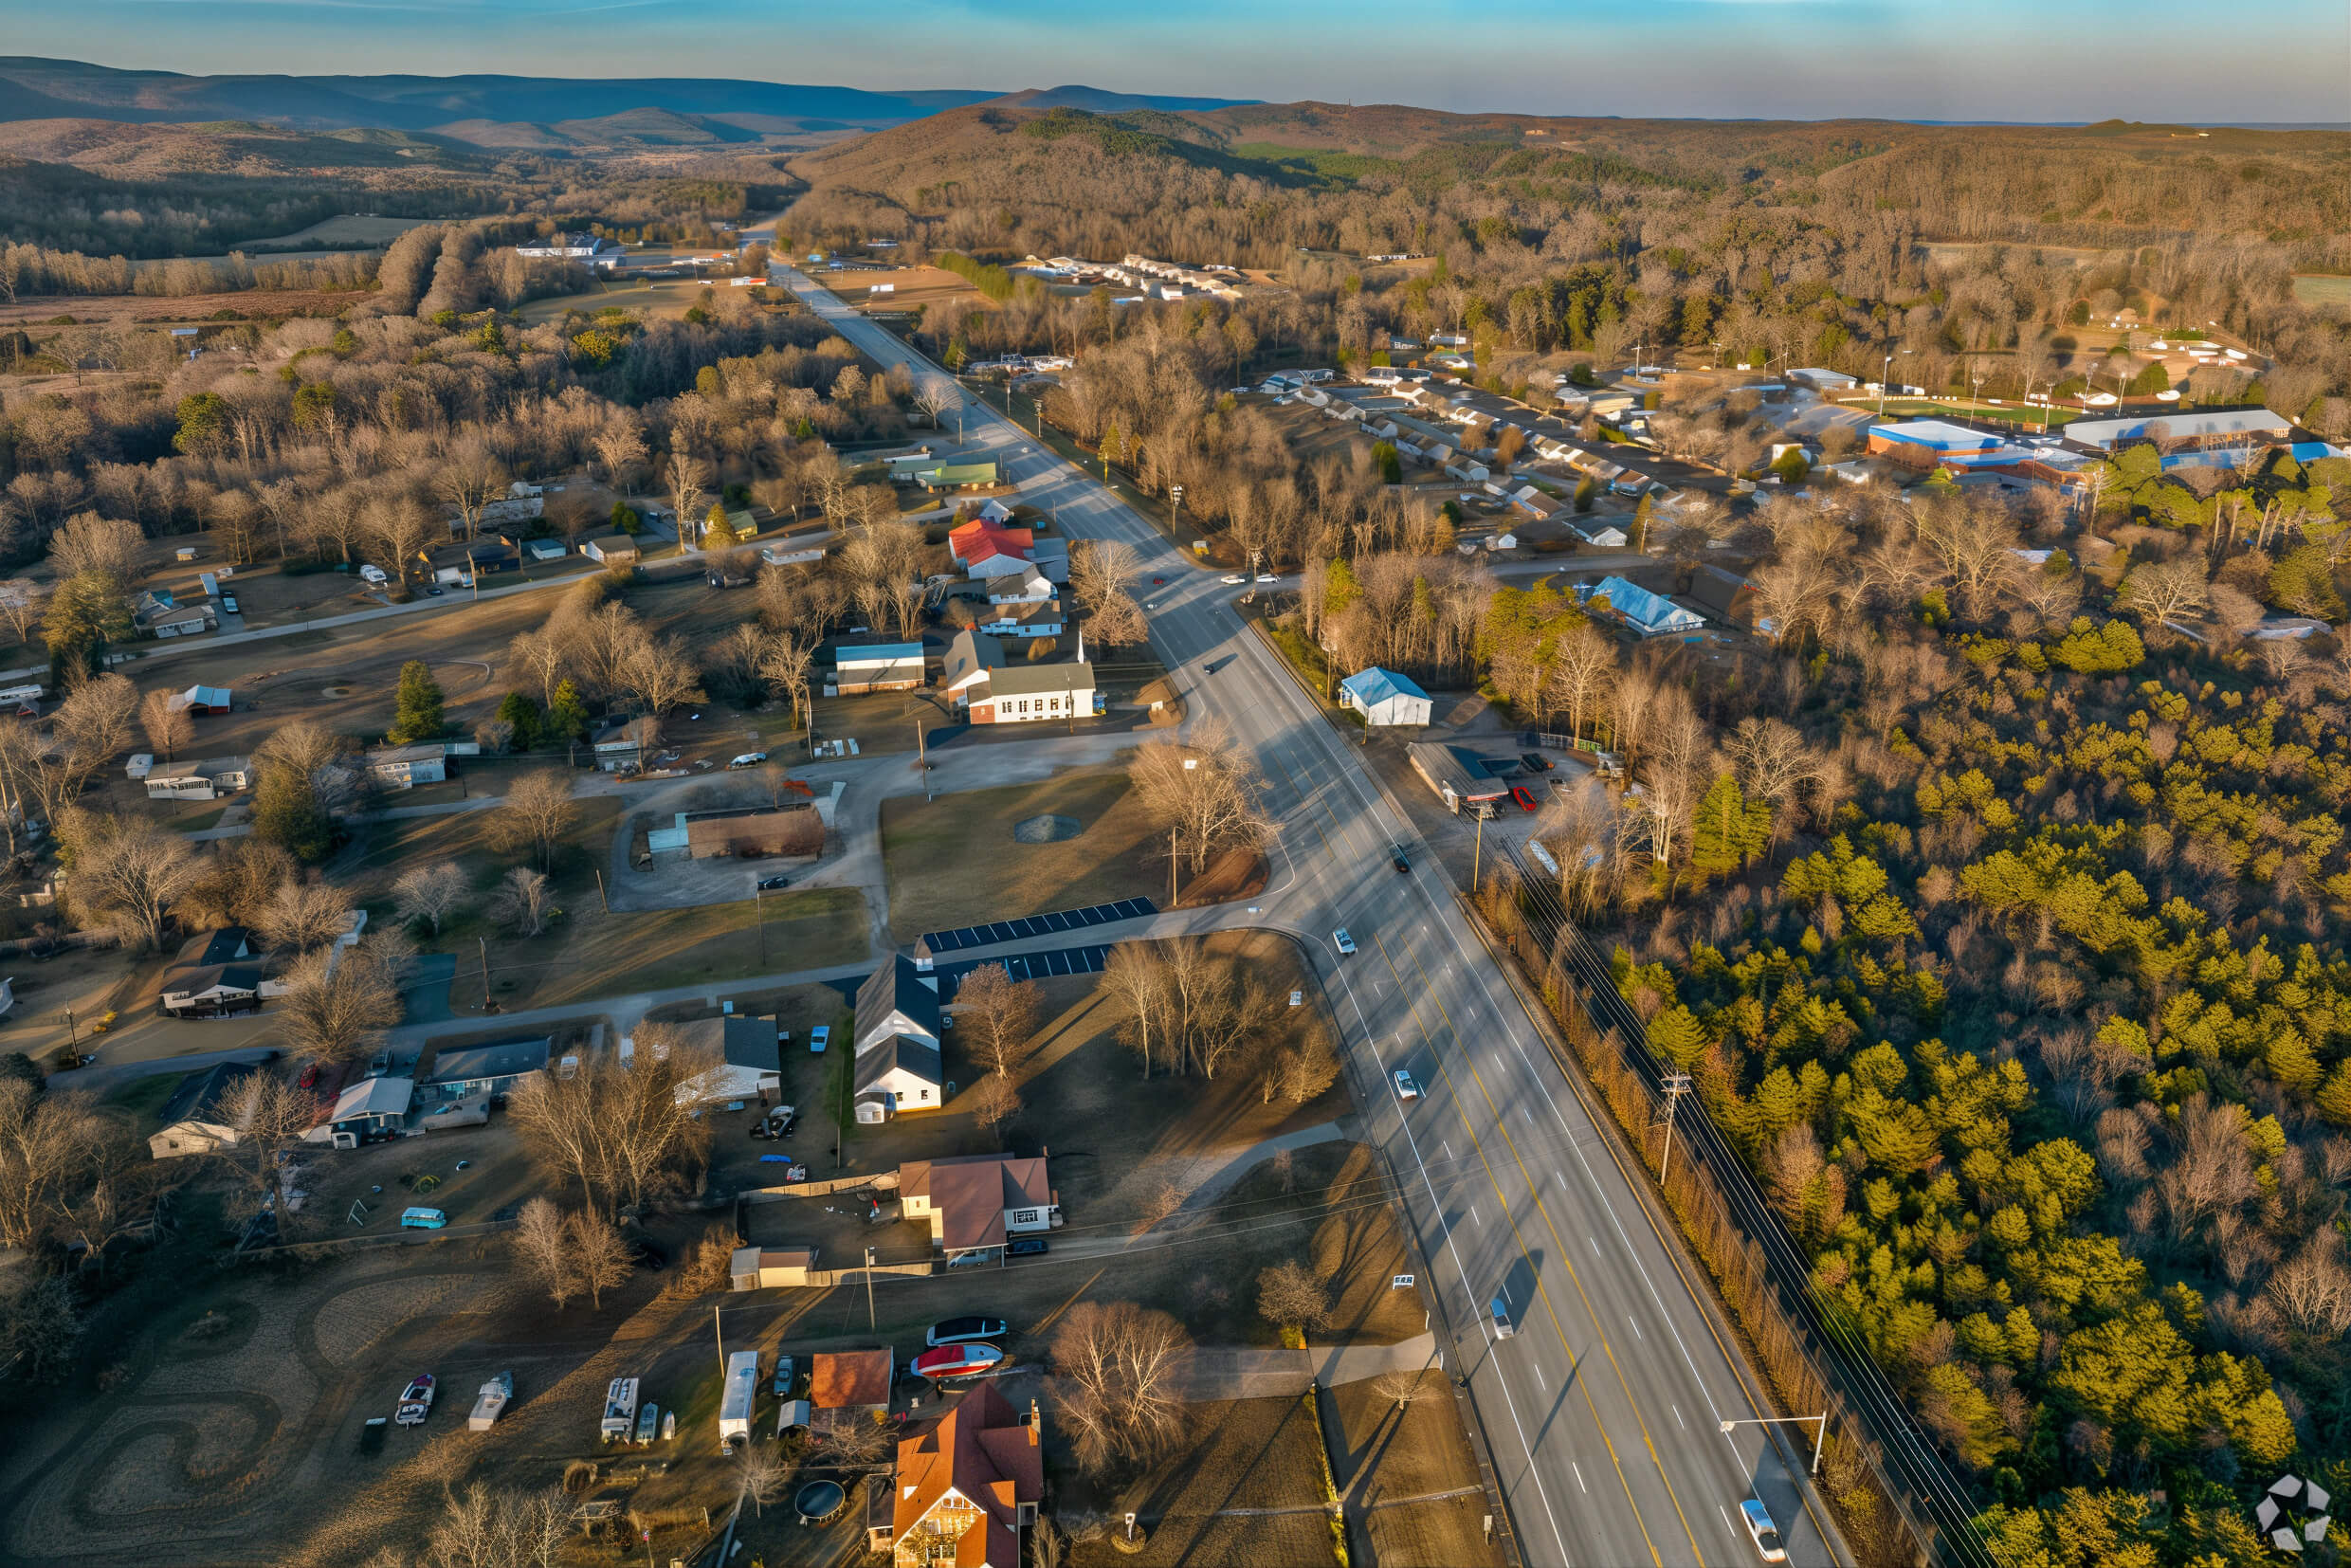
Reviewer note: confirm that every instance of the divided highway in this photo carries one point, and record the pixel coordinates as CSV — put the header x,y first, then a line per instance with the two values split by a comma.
x,y
1604,1408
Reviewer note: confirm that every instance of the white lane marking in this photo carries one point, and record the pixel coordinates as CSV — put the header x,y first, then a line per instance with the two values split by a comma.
x,y
1677,1419
1473,1214
1595,1245
1448,1150
1579,1477
1538,1378
1636,1327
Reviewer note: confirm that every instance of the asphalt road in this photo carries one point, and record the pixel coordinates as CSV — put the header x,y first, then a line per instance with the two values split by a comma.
x,y
1603,1406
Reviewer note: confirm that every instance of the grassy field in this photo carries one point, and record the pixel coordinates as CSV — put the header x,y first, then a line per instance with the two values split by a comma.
x,y
2319,289
1381,1456
1911,408
954,860
657,299
1239,1453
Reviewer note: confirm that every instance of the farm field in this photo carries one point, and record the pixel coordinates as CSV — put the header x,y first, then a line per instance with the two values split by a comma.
x,y
2321,289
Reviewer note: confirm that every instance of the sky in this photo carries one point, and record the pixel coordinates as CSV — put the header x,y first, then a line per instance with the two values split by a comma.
x,y
2272,61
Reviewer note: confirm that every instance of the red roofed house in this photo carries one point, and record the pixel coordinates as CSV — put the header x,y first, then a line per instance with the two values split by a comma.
x,y
964,537
993,556
972,1201
968,1483
844,1386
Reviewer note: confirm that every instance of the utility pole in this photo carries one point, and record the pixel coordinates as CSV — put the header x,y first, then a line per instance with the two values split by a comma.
x,y
719,1332
486,972
1676,1084
600,894
758,906
1477,853
869,1329
1175,494
1170,871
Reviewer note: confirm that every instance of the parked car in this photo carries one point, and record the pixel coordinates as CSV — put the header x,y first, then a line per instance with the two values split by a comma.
x,y
1405,1087
1524,796
375,574
415,1402
228,605
1343,942
1235,578
1535,762
1504,1328
748,760
1267,577
773,885
819,1038
309,1080
786,1374
1026,1247
1398,858
1764,1533
956,1331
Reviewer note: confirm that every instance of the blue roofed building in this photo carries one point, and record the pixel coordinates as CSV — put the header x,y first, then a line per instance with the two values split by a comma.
x,y
1649,614
1383,696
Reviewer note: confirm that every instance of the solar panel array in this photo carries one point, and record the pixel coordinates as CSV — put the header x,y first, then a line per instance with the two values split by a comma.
x,y
1026,966
937,942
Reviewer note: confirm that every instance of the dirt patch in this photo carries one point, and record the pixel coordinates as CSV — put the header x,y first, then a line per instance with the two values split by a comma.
x,y
1046,830
1233,874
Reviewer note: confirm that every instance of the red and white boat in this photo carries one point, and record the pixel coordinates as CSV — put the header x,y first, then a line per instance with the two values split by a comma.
x,y
951,1362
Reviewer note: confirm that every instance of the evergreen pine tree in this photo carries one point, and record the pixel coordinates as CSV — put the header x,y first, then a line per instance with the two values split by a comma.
x,y
419,716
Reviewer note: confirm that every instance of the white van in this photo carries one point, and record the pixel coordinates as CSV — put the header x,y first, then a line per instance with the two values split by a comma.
x,y
375,574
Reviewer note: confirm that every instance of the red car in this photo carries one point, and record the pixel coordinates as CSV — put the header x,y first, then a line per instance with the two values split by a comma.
x,y
309,1079
1524,796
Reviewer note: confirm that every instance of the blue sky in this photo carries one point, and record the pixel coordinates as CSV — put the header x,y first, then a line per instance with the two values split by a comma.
x,y
2022,60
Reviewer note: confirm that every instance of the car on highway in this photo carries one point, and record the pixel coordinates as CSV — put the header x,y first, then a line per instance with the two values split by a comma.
x,y
1267,577
1535,762
748,760
1765,1534
415,1402
1499,1308
819,1038
1398,858
955,1331
1405,1087
1524,796
770,884
1235,577
1026,1247
1343,942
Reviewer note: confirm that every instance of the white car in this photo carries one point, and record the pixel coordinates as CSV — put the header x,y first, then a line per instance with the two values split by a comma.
x,y
1766,1534
1235,577
1343,942
375,574
1267,577
749,759
1405,1087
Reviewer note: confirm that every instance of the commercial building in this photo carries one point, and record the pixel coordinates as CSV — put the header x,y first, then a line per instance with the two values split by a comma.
x,y
862,666
1459,777
1384,698
1019,694
787,833
2218,427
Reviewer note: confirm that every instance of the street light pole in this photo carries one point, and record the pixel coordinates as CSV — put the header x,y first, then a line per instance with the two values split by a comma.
x,y
1819,1441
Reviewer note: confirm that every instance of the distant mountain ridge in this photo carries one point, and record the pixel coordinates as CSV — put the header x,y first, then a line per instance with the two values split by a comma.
x,y
34,88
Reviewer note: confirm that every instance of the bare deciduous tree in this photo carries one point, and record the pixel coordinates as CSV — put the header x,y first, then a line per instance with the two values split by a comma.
x,y
525,902
543,1248
1204,794
337,1008
127,874
539,810
993,1102
1290,1295
997,1017
303,916
168,727
620,1131
22,603
598,1252
270,1116
430,893
89,542
1117,1363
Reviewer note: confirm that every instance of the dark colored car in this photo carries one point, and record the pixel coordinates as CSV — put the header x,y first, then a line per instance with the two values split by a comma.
x,y
955,1331
1026,1247
769,885
1398,858
1535,762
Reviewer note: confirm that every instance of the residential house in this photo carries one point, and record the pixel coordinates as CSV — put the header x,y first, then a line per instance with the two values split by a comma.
x,y
366,1112
591,249
967,537
1647,615
489,559
969,1483
787,833
1020,694
201,700
862,666
970,657
956,476
974,1202
1385,698
1051,556
406,767
994,557
1027,586
1729,595
547,550
468,1071
750,1059
846,1387
896,1036
223,946
612,549
1461,777
212,991
195,1119
1041,618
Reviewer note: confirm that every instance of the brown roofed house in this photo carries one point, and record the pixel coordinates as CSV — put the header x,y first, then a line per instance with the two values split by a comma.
x,y
973,1201
968,1483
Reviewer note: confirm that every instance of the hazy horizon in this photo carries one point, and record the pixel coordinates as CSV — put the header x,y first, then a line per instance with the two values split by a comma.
x,y
2007,61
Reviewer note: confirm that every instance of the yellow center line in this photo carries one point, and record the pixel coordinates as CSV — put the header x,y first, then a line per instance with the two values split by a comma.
x,y
1574,1361
1567,1256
